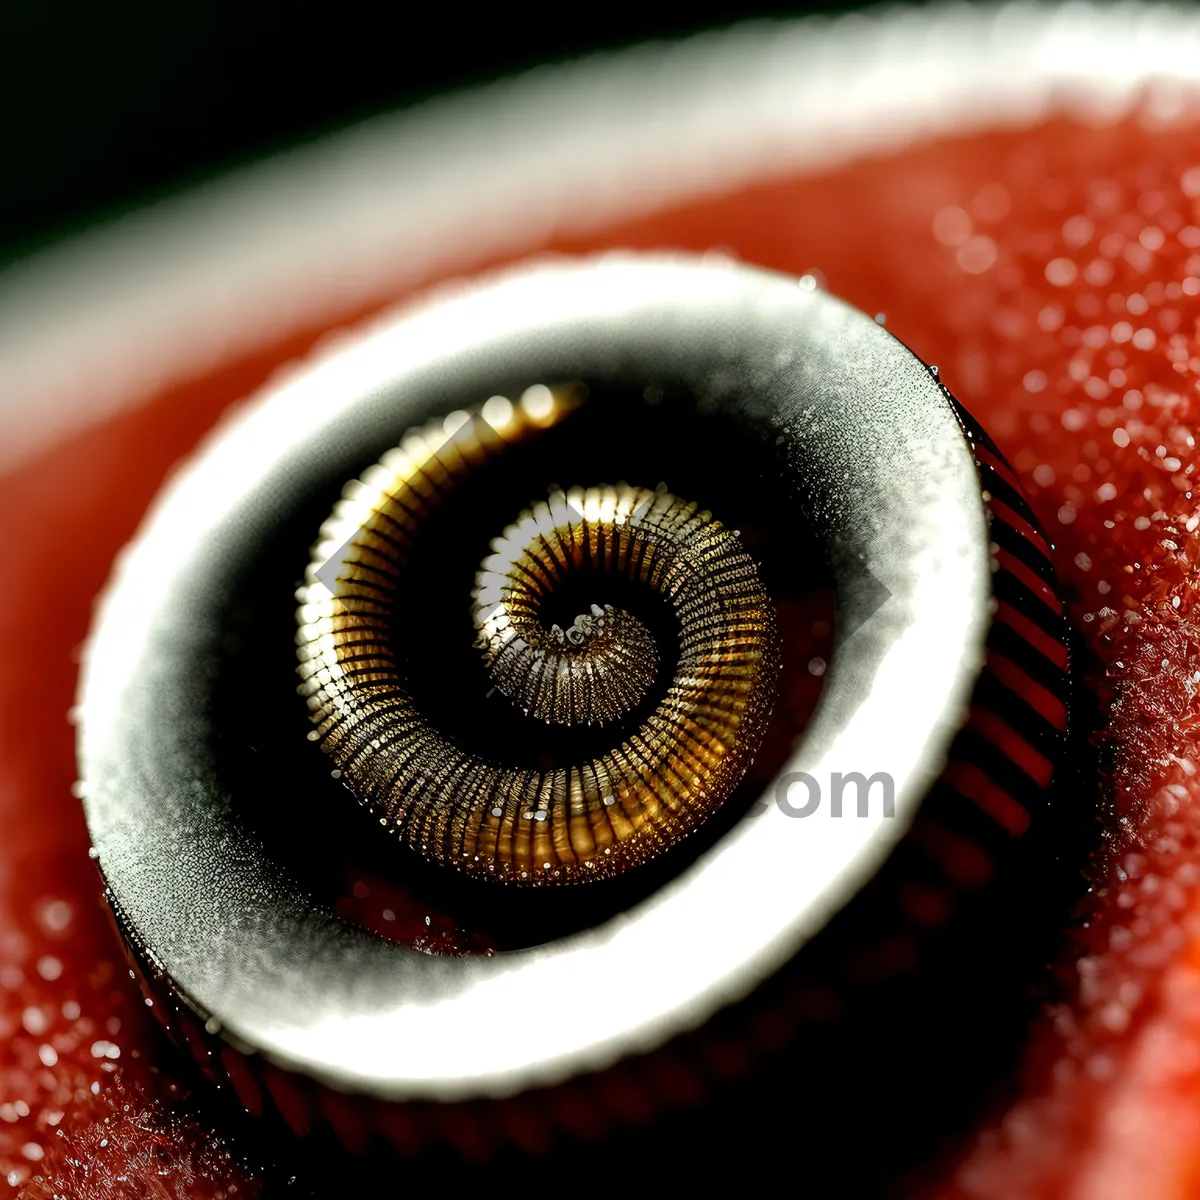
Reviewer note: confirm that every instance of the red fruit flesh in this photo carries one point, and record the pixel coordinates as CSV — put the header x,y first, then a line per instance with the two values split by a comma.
x,y
1053,275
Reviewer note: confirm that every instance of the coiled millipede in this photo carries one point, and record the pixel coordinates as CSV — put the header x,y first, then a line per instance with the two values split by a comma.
x,y
539,640
528,824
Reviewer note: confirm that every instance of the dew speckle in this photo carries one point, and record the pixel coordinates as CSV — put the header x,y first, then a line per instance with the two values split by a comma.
x,y
54,915
976,255
35,1021
1061,272
952,225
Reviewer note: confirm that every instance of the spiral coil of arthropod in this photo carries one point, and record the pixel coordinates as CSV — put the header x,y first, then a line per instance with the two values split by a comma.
x,y
459,603
522,824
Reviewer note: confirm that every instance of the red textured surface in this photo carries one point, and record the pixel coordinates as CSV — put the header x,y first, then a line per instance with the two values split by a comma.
x,y
1054,277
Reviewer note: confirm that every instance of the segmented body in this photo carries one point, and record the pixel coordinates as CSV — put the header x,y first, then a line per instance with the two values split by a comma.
x,y
655,783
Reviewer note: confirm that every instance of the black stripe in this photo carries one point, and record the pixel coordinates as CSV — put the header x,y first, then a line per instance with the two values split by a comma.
x,y
1020,716
1024,551
1004,491
1033,662
1008,589
966,818
972,747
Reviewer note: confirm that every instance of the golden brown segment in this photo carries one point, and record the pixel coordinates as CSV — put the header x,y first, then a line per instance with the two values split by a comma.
x,y
598,669
574,822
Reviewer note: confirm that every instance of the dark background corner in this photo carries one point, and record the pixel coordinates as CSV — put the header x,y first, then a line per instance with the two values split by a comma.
x,y
108,105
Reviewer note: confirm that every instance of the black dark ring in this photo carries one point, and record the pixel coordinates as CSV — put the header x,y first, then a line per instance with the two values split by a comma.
x,y
875,453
